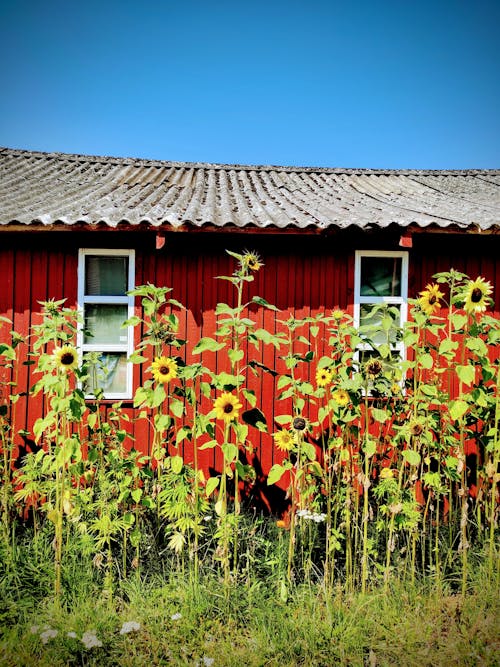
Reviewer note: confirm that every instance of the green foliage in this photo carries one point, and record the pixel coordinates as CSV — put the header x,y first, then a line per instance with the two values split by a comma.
x,y
371,450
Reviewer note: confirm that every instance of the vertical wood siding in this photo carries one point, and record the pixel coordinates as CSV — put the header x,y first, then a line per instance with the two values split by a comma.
x,y
303,276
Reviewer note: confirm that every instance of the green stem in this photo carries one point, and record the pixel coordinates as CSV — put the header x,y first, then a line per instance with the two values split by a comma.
x,y
224,517
464,491
391,530
366,473
196,563
495,457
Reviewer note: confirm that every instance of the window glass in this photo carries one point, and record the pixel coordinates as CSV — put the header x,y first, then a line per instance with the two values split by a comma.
x,y
381,276
382,324
106,276
103,323
110,374
380,305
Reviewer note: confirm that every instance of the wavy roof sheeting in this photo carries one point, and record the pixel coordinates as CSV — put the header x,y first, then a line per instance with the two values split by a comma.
x,y
51,188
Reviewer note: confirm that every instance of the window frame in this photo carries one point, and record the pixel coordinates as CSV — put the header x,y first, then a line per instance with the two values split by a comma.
x,y
401,301
83,300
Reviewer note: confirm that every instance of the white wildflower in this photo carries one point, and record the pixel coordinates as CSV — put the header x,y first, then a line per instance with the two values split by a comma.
x,y
130,626
71,634
176,617
208,662
89,639
307,515
47,634
34,629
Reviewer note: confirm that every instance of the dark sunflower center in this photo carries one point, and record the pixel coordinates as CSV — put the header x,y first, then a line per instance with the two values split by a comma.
x,y
67,359
432,300
299,424
476,295
417,429
374,368
164,370
228,408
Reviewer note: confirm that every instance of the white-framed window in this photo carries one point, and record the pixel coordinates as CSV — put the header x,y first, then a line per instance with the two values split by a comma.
x,y
104,277
381,280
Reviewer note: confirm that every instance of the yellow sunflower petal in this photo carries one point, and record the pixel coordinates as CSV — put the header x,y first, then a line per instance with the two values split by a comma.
x,y
283,440
477,295
65,358
341,397
164,369
429,298
227,407
251,260
323,377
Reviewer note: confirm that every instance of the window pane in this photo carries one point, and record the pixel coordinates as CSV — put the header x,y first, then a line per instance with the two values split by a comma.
x,y
380,324
381,276
104,323
110,374
106,276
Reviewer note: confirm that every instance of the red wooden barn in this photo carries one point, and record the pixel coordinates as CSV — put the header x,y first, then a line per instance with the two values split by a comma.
x,y
89,228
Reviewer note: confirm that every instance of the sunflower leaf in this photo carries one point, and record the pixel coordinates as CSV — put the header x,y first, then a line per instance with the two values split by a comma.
x,y
411,456
176,464
426,360
177,408
458,408
235,355
262,302
466,374
230,451
212,484
275,474
249,394
477,345
207,344
183,433
448,347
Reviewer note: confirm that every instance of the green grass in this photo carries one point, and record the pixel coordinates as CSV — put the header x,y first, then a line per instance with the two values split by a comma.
x,y
259,622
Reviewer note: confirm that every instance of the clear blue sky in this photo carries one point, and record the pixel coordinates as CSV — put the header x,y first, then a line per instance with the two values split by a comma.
x,y
367,83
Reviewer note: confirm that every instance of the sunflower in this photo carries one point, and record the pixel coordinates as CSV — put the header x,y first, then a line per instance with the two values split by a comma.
x,y
429,298
476,295
251,260
65,358
323,377
416,428
373,368
341,397
337,314
227,407
164,369
299,424
283,440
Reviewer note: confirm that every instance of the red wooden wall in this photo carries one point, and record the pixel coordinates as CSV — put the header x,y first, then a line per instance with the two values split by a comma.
x,y
304,274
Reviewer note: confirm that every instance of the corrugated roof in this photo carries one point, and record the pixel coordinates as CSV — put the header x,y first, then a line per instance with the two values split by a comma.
x,y
52,188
